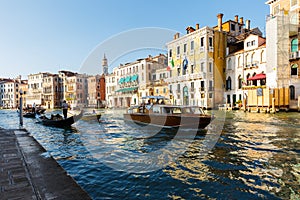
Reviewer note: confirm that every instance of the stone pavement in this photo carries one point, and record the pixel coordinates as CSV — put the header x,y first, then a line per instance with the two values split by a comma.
x,y
25,174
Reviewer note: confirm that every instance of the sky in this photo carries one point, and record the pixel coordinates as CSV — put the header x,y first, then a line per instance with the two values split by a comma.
x,y
52,35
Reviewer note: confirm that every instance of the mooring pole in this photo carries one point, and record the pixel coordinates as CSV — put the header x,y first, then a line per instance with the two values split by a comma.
x,y
21,107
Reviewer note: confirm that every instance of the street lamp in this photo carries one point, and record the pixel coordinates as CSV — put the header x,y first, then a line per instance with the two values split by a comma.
x,y
21,107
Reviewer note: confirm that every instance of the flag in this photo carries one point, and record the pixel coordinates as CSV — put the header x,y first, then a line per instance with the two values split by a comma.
x,y
172,62
185,63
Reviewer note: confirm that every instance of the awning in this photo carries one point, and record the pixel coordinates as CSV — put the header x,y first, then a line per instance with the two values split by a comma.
x,y
127,89
121,80
257,77
134,77
127,79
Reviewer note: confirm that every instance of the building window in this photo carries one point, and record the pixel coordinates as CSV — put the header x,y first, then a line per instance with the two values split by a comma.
x,y
210,95
210,42
192,69
170,89
232,27
192,86
294,19
184,48
178,71
276,10
178,87
202,42
248,76
228,83
211,87
170,53
292,92
202,67
254,82
202,85
229,64
252,58
240,80
178,50
294,69
210,68
294,45
293,3
262,58
192,45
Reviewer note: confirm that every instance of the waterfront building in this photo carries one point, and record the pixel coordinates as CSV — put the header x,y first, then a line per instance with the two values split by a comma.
x,y
197,65
74,88
130,82
111,85
9,97
158,84
245,68
96,91
283,56
35,89
51,93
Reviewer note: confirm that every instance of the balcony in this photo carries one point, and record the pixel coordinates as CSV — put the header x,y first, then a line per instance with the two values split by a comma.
x,y
294,55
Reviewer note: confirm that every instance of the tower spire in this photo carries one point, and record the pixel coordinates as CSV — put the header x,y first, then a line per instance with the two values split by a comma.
x,y
104,65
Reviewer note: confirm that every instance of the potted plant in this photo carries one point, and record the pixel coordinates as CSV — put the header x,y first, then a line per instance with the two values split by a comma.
x,y
239,103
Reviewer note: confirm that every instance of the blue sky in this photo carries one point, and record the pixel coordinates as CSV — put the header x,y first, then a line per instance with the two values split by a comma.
x,y
47,36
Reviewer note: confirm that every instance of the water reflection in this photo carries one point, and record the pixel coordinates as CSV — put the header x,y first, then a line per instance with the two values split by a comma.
x,y
256,156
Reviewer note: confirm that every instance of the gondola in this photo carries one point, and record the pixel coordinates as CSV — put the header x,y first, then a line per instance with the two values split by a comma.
x,y
59,121
92,116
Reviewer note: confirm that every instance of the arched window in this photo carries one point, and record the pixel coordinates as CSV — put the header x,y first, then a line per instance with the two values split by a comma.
x,y
294,19
228,83
294,45
292,92
229,64
294,69
262,56
240,80
252,58
254,81
248,76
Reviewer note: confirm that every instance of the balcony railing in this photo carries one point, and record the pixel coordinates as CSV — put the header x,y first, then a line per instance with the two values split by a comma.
x,y
295,55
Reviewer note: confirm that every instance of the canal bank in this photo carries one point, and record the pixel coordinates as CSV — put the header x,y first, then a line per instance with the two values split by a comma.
x,y
26,174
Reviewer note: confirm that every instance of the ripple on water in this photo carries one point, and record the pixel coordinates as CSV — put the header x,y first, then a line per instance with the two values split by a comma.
x,y
256,156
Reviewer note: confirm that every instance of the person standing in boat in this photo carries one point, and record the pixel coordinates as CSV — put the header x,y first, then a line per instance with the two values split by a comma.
x,y
65,109
33,107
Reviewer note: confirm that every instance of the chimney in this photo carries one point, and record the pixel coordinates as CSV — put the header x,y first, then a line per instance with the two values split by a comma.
x,y
236,18
176,36
241,20
197,26
248,24
189,29
220,16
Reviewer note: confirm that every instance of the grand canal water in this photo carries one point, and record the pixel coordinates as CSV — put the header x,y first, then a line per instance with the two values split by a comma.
x,y
256,156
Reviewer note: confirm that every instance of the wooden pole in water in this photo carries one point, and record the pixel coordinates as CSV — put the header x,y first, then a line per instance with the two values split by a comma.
x,y
21,108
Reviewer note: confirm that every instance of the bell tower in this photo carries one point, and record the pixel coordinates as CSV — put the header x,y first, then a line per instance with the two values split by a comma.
x,y
104,65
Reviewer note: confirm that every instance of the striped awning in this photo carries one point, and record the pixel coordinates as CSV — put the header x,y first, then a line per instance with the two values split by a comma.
x,y
127,89
134,77
121,80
